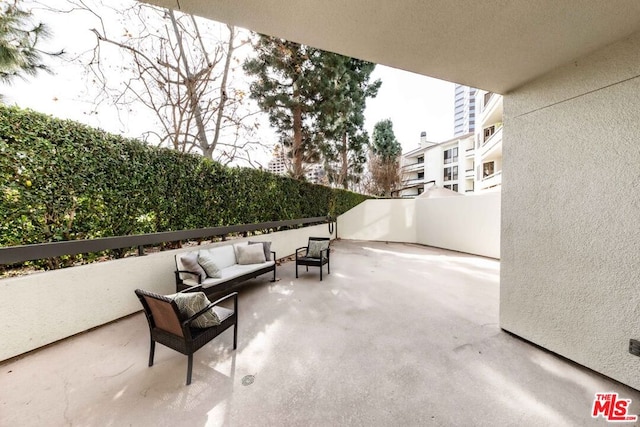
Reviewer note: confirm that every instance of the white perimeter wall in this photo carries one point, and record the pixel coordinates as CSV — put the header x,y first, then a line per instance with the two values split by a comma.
x,y
380,220
466,223
570,269
42,308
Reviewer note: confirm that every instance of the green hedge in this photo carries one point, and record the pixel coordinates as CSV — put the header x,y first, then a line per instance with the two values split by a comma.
x,y
61,180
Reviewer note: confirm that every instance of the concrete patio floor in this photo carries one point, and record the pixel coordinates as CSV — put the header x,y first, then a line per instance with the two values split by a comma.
x,y
397,334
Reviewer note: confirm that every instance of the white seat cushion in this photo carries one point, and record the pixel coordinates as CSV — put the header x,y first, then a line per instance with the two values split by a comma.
x,y
229,273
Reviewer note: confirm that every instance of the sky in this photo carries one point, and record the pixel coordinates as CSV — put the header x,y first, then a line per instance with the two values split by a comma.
x,y
414,103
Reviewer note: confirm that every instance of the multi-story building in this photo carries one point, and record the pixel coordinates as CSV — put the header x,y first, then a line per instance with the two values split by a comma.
x,y
464,113
280,164
488,147
448,164
315,173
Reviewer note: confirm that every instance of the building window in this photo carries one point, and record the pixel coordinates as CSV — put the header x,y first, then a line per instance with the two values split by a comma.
x,y
420,175
451,173
421,159
488,132
451,155
420,190
453,187
488,169
487,97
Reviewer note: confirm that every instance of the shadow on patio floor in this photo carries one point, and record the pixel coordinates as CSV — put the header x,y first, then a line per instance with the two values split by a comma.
x,y
397,334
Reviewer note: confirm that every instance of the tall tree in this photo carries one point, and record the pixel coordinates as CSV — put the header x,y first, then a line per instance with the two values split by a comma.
x,y
19,37
345,86
177,67
285,87
384,162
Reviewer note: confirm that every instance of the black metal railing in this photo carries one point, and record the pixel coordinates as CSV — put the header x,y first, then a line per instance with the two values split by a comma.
x,y
17,254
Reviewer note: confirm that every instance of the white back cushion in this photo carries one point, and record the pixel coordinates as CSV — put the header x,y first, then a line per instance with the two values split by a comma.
x,y
224,256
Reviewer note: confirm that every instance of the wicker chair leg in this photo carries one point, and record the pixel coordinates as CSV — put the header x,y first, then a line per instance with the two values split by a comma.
x,y
235,335
328,266
152,352
321,271
296,269
307,268
189,368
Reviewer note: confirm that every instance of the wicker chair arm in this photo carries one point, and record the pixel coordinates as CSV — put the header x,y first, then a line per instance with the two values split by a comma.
x,y
194,288
211,305
194,273
273,256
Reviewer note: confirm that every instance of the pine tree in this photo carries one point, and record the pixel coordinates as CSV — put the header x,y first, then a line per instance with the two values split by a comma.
x,y
385,143
384,163
345,86
19,56
286,88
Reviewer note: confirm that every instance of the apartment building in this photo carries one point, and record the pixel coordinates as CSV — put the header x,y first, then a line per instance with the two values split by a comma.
x,y
488,144
464,110
280,164
448,164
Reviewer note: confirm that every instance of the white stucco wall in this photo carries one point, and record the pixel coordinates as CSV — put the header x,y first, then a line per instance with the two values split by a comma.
x,y
468,224
570,270
380,220
42,308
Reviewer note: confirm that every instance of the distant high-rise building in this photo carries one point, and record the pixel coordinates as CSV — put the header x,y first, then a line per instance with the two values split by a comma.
x,y
279,164
464,116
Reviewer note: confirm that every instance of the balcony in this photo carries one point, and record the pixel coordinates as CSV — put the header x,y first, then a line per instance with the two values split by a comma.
x,y
413,182
492,111
491,181
492,144
413,167
312,353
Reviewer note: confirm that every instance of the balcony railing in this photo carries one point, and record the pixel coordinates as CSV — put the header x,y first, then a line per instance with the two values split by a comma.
x,y
492,180
413,166
491,141
17,254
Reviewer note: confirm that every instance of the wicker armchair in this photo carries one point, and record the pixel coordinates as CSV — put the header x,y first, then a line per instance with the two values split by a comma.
x,y
167,325
315,260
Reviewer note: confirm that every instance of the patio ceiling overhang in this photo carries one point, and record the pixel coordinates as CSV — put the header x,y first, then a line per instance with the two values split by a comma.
x,y
493,45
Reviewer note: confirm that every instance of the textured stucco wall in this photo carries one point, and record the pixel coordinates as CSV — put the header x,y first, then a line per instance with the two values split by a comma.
x,y
570,270
42,308
468,224
380,220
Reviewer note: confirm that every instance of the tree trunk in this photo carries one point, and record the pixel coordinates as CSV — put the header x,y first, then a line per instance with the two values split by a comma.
x,y
345,163
297,134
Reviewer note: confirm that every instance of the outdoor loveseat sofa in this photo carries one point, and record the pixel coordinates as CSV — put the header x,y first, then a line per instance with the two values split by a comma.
x,y
221,268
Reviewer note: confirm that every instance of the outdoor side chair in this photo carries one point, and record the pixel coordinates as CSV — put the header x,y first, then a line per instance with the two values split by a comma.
x,y
316,254
169,327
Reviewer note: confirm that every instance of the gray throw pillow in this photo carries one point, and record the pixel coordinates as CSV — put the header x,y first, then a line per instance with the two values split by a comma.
x,y
316,247
190,262
250,254
267,249
209,265
189,303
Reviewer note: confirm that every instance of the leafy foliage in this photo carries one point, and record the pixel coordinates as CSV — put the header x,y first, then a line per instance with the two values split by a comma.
x,y
18,38
344,86
316,101
384,163
61,180
385,143
285,87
